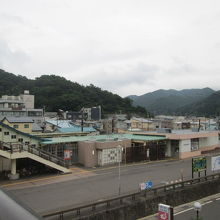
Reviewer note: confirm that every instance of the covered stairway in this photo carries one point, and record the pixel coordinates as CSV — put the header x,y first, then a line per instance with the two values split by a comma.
x,y
16,151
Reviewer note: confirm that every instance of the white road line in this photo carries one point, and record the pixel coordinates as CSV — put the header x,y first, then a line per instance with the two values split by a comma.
x,y
218,199
205,203
186,210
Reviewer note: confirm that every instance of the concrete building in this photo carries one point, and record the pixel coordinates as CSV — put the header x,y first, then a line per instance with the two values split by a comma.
x,y
20,106
100,150
187,143
16,145
143,124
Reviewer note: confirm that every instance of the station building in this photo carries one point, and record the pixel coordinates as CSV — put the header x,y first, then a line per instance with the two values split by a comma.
x,y
100,150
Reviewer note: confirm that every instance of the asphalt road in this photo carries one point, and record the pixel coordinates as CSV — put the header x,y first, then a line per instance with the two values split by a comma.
x,y
210,211
104,183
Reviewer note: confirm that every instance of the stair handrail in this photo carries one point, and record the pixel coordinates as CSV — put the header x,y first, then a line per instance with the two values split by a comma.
x,y
31,149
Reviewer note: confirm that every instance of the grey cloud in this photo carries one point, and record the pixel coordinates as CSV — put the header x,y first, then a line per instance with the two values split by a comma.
x,y
10,58
116,76
11,18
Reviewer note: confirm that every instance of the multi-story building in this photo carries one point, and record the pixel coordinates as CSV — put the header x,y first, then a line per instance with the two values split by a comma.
x,y
20,106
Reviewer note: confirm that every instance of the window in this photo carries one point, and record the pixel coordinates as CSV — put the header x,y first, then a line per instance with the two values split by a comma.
x,y
26,125
0,129
20,140
194,144
13,136
15,126
6,133
27,142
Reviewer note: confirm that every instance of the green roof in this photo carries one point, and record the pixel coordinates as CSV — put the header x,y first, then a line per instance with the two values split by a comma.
x,y
102,138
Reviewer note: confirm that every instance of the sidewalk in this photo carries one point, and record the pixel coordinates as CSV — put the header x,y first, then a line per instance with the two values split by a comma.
x,y
77,173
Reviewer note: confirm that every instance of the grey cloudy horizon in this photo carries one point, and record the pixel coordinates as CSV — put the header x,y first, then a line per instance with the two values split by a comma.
x,y
129,47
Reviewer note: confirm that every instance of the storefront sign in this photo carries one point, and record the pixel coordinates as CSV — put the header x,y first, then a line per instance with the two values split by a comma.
x,y
215,163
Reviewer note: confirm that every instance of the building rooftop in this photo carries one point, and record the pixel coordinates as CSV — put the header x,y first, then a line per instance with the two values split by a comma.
x,y
19,119
103,138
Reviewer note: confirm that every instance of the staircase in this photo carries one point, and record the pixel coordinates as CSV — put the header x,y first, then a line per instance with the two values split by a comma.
x,y
18,150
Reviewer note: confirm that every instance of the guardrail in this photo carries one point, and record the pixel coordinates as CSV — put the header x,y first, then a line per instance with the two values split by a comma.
x,y
77,211
16,147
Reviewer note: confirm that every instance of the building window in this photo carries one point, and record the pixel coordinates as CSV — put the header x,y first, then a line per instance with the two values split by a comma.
x,y
27,142
15,126
20,140
0,129
26,125
13,136
194,144
6,133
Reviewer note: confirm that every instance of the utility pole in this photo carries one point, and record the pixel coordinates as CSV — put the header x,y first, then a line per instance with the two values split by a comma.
x,y
82,118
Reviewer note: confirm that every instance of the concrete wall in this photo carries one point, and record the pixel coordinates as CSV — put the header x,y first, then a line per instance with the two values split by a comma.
x,y
5,164
210,141
87,154
144,206
205,143
88,150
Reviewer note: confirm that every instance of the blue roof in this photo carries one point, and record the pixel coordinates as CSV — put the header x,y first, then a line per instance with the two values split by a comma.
x,y
66,126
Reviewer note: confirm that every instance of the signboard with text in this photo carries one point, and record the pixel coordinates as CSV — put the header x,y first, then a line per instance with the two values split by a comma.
x,y
146,185
67,154
165,212
198,164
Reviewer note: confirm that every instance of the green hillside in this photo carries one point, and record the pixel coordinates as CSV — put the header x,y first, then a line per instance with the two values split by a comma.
x,y
209,106
171,101
55,92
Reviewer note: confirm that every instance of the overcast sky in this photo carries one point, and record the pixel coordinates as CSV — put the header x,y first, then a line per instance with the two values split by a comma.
x,y
124,46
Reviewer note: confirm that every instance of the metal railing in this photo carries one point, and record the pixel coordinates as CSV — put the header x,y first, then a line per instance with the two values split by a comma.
x,y
105,204
19,147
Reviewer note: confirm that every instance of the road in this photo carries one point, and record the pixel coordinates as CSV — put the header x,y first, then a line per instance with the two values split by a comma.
x,y
101,184
209,211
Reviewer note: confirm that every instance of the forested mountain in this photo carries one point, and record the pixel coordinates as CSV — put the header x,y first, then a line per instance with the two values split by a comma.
x,y
171,101
209,106
55,92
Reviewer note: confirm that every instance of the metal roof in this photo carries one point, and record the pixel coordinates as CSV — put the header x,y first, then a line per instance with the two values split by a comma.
x,y
76,129
19,119
103,138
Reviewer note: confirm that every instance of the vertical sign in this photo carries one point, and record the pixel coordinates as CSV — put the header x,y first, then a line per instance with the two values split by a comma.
x,y
67,154
165,212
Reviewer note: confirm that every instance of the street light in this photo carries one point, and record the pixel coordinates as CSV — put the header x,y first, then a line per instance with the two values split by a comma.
x,y
197,207
120,148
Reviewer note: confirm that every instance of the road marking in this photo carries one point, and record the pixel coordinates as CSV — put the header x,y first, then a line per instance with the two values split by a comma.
x,y
205,203
186,210
218,199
